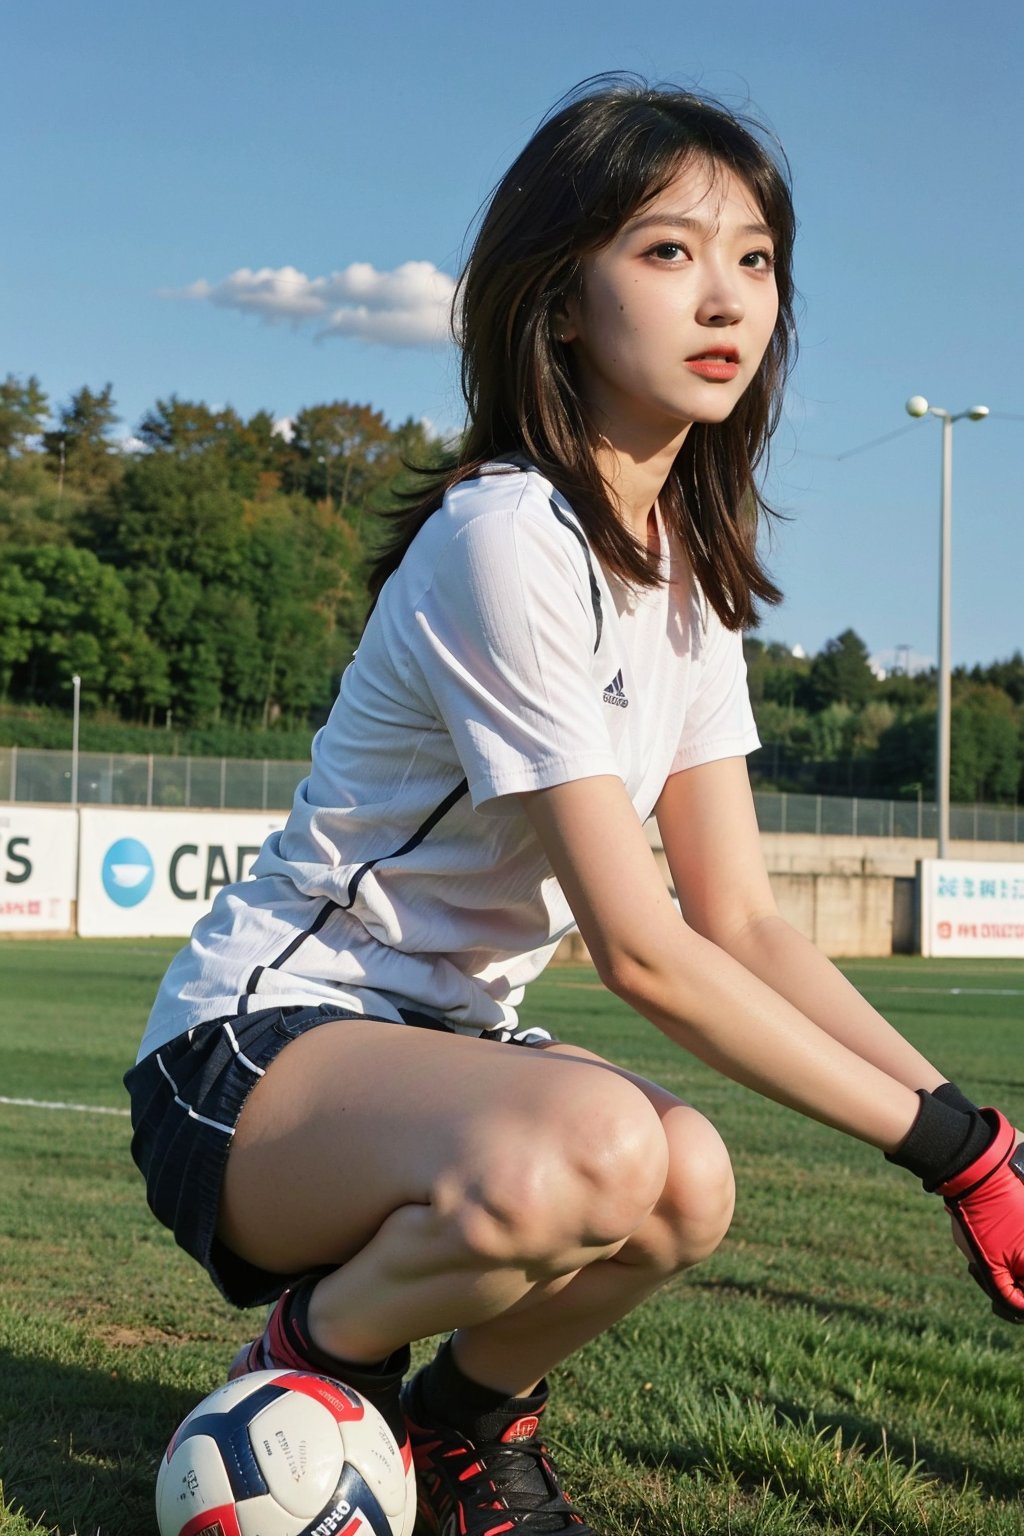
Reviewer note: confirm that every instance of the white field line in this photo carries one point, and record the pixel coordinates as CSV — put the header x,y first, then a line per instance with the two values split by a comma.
x,y
952,991
84,1109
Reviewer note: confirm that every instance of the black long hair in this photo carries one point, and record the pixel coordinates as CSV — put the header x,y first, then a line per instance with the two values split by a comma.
x,y
602,155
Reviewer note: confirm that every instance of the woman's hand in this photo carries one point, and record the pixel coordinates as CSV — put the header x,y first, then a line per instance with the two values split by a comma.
x,y
986,1206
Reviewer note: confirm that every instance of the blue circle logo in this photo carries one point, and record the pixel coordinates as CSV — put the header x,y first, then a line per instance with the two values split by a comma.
x,y
128,872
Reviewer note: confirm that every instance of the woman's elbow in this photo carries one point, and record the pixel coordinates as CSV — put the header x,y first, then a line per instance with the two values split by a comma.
x,y
641,975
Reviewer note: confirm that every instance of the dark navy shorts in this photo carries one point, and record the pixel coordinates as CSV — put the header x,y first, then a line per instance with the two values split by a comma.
x,y
186,1099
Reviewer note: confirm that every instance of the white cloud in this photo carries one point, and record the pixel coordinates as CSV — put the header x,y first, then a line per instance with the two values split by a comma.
x,y
449,436
408,307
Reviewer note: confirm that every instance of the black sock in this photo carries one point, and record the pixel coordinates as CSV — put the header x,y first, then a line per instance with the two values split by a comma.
x,y
949,1093
942,1141
447,1396
379,1381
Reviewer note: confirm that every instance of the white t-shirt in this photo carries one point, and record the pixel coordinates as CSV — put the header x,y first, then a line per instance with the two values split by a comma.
x,y
500,658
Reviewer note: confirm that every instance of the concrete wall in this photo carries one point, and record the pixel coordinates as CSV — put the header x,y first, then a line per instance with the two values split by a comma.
x,y
852,896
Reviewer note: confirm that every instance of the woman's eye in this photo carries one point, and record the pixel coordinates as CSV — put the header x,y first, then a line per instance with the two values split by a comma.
x,y
760,261
668,250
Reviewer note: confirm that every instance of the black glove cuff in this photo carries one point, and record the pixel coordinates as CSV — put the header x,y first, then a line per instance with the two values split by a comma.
x,y
942,1141
949,1093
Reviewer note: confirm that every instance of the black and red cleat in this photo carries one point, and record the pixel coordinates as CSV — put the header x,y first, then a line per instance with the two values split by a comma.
x,y
508,1484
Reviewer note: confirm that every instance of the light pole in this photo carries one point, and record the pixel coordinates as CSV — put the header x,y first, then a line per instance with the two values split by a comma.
x,y
76,683
917,405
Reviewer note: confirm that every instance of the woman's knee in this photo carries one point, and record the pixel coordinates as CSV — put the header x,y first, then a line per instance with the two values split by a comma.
x,y
696,1205
567,1184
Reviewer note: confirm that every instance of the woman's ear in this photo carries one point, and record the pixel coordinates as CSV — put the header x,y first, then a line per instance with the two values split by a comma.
x,y
563,322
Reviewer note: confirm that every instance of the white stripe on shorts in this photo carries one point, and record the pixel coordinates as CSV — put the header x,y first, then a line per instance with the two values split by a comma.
x,y
193,1114
239,1053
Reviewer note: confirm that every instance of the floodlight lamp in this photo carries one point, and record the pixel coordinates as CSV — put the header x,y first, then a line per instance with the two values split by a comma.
x,y
917,405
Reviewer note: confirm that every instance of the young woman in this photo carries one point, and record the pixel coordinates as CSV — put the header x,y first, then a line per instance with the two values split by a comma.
x,y
336,1106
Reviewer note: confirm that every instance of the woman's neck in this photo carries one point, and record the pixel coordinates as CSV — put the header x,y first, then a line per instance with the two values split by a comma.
x,y
635,483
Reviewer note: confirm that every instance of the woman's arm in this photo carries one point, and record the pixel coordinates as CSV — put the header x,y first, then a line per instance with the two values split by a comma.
x,y
735,1002
691,987
710,835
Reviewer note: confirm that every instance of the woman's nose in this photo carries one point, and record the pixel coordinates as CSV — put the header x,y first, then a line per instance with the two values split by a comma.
x,y
720,303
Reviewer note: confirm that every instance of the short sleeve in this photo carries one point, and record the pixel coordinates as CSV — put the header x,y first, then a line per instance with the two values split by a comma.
x,y
504,638
719,721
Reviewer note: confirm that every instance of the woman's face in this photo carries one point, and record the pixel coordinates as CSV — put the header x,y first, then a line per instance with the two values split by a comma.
x,y
674,314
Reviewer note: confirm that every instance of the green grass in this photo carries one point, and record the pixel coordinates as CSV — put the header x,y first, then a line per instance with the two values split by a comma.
x,y
830,1370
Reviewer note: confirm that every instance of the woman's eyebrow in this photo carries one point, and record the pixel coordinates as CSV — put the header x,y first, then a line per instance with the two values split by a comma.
x,y
687,221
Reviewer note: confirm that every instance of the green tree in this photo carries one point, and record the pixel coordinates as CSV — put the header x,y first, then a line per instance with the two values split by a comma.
x,y
187,428
82,625
774,673
840,673
167,513
22,597
173,609
984,745
79,451
23,411
147,686
870,725
32,509
299,575
239,636
1007,675
905,756
344,452
832,732
907,692
198,694
259,457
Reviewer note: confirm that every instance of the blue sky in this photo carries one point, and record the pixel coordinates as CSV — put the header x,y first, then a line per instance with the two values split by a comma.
x,y
158,155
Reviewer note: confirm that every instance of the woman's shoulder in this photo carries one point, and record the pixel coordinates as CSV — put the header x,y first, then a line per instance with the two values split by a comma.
x,y
503,486
508,509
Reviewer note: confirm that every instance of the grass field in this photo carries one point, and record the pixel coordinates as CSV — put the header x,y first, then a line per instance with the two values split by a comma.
x,y
832,1369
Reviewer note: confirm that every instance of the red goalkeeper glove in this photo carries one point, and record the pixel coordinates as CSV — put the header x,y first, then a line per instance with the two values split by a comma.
x,y
986,1201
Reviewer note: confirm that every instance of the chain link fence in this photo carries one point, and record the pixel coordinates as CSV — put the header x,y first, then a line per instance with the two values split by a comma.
x,y
30,776
840,816
33,776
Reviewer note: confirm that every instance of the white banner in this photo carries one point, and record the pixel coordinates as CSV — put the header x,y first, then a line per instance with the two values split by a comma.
x,y
37,869
153,873
971,908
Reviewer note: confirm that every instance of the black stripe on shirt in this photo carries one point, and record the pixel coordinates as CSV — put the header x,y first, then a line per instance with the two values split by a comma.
x,y
307,933
422,831
595,590
418,836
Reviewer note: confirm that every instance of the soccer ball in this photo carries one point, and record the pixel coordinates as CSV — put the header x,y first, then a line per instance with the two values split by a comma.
x,y
284,1453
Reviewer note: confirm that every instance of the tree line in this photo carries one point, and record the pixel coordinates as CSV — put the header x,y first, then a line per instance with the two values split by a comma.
x,y
209,572
831,726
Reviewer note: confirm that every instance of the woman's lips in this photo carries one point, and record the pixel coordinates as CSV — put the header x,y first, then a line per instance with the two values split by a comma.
x,y
720,367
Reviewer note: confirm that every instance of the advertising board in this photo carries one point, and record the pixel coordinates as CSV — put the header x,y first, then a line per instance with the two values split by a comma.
x,y
38,849
153,873
970,907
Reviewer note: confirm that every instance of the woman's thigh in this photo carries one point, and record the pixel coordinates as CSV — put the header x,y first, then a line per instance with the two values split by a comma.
x,y
357,1119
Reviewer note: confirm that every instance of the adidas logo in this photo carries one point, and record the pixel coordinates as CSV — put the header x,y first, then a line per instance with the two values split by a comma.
x,y
614,693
